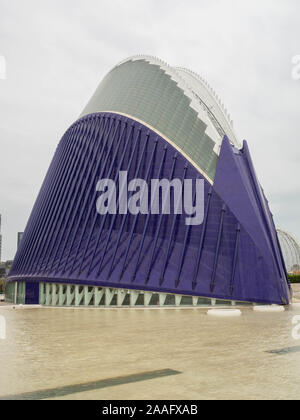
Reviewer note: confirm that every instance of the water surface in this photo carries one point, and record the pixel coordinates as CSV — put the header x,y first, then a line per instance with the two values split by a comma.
x,y
51,348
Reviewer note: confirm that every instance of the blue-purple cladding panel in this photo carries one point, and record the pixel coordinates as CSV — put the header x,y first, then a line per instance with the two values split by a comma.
x,y
234,254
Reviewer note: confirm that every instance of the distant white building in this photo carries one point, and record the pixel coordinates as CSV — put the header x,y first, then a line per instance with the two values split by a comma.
x,y
291,251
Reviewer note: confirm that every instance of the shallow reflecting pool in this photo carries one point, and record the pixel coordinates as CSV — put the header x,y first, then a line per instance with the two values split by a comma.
x,y
252,356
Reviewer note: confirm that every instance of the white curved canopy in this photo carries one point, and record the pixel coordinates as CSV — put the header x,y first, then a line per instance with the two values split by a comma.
x,y
202,97
174,102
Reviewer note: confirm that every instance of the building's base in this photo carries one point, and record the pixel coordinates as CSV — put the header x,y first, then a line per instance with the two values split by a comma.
x,y
58,294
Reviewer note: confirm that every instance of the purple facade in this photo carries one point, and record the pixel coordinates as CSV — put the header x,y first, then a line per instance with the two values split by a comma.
x,y
234,254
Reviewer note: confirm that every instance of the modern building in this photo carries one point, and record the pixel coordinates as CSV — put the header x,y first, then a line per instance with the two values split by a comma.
x,y
291,251
155,122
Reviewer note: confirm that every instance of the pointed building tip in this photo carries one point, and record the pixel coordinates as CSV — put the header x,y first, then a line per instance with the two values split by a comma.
x,y
225,138
225,144
245,144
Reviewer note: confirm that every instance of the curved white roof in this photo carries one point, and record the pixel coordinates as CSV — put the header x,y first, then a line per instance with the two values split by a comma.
x,y
175,102
217,112
202,97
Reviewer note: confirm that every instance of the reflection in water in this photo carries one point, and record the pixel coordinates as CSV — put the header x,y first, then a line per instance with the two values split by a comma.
x,y
218,358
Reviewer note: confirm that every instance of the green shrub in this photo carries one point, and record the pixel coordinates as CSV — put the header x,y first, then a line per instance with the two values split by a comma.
x,y
294,278
2,285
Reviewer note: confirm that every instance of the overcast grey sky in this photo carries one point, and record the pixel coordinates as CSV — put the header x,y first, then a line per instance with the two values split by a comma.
x,y
58,51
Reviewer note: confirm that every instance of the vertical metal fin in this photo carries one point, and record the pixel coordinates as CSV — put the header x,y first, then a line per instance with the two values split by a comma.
x,y
181,261
105,216
213,277
84,192
148,218
136,216
235,257
116,126
76,198
200,248
135,176
114,216
162,274
150,266
125,215
105,137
